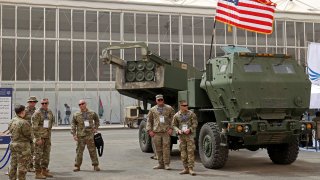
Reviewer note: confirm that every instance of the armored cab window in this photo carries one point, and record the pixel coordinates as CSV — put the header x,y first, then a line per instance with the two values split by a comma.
x,y
252,68
283,68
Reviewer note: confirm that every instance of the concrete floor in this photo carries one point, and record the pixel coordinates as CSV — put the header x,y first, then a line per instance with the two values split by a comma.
x,y
123,159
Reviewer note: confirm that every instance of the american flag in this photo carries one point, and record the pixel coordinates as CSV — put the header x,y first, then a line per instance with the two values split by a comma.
x,y
252,15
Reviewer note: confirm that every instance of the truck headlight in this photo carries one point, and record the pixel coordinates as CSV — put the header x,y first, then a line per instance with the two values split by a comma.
x,y
303,127
246,128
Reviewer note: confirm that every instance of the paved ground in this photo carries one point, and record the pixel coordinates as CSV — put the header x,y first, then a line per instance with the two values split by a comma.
x,y
123,159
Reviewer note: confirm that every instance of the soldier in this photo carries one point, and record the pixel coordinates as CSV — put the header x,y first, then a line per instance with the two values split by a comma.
x,y
21,137
159,128
30,109
185,124
83,126
42,121
317,123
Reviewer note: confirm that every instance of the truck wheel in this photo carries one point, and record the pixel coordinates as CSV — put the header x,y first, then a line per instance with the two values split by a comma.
x,y
212,154
144,138
284,153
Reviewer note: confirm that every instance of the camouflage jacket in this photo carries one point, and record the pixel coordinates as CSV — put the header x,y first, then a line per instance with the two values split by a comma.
x,y
20,130
38,121
153,122
78,123
185,118
29,112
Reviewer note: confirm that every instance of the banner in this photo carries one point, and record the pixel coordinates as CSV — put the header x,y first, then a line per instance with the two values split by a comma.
x,y
314,63
5,108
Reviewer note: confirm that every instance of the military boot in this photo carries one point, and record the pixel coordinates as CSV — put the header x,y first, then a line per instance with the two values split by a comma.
x,y
76,169
167,167
46,173
184,171
39,175
191,172
96,168
160,166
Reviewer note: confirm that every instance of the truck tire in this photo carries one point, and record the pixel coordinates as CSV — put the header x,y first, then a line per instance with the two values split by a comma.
x,y
284,153
144,138
212,154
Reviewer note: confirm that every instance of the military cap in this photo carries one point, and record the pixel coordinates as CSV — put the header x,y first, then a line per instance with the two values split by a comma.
x,y
159,96
32,99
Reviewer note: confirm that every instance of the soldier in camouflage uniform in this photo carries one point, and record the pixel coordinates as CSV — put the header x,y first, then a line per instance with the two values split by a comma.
x,y
159,128
83,126
30,109
185,124
21,137
42,121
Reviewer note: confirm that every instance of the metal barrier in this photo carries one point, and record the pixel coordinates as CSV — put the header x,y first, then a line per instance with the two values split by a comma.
x,y
5,139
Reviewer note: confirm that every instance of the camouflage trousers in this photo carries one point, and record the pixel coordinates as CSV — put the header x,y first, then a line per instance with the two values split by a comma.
x,y
42,154
20,157
31,155
162,142
187,147
81,144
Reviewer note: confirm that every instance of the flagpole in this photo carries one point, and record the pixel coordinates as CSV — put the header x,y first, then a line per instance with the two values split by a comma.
x,y
212,36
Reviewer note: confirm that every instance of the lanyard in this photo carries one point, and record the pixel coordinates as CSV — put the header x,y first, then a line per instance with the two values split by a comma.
x,y
185,117
160,110
45,114
84,115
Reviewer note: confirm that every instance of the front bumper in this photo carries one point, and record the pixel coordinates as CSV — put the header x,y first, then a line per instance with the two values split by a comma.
x,y
261,132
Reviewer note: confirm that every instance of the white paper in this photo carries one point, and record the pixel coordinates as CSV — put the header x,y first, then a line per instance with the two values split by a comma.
x,y
46,123
184,127
86,124
161,119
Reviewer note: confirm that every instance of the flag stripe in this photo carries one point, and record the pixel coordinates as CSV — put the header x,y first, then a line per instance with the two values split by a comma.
x,y
253,24
250,28
249,15
246,18
255,5
244,10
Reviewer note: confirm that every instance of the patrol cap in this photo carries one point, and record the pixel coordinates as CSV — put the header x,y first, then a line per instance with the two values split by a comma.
x,y
32,99
159,96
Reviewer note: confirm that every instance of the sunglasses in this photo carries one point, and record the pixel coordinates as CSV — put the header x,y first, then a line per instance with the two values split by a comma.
x,y
44,103
81,104
184,105
159,99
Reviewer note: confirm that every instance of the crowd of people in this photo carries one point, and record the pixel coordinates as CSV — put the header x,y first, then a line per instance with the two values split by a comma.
x,y
31,138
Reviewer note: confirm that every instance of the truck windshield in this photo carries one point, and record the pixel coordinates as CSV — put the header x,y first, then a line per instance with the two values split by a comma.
x,y
252,68
283,68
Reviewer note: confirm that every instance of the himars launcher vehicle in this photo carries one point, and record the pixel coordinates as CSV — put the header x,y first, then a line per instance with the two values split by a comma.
x,y
242,99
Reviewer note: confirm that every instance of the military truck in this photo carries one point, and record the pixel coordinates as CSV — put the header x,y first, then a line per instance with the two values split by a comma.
x,y
243,100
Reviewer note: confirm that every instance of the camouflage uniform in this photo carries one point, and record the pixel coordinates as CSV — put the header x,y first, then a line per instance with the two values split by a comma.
x,y
317,123
42,152
20,148
85,135
161,139
29,112
187,145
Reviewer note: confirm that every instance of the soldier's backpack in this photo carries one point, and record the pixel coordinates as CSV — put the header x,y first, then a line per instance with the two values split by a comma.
x,y
98,141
